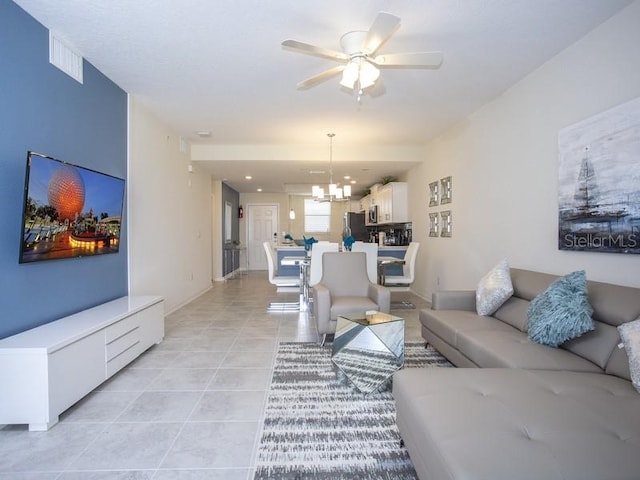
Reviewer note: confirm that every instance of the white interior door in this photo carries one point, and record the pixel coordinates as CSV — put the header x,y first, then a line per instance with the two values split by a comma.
x,y
262,223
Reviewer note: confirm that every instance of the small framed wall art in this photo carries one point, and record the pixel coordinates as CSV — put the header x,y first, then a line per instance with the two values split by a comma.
x,y
433,194
446,190
445,223
433,224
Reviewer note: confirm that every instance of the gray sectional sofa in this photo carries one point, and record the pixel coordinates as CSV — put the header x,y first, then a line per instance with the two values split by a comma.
x,y
530,411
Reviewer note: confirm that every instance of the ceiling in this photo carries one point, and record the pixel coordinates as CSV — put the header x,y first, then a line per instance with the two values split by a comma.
x,y
218,66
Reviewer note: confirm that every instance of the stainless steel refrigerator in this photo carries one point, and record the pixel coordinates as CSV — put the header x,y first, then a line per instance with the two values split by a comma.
x,y
354,223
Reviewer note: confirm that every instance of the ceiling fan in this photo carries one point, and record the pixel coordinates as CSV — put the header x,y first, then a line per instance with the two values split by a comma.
x,y
360,64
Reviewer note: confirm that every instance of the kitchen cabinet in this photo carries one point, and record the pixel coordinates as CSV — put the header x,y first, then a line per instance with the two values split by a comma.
x,y
365,203
392,201
374,193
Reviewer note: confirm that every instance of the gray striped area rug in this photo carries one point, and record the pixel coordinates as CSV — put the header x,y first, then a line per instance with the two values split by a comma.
x,y
318,426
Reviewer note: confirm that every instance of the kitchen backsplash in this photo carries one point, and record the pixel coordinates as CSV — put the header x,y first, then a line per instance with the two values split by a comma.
x,y
397,234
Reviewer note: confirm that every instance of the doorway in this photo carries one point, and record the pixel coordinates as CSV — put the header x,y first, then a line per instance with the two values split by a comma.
x,y
262,223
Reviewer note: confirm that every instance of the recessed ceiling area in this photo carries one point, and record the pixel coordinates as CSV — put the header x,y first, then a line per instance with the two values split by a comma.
x,y
217,74
295,168
300,175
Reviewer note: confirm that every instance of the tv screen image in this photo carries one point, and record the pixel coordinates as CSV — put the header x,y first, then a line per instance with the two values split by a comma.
x,y
69,211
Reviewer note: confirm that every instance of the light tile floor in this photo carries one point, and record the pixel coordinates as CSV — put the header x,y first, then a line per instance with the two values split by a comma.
x,y
189,408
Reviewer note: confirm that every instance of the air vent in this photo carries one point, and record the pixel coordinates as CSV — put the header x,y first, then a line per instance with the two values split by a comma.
x,y
64,58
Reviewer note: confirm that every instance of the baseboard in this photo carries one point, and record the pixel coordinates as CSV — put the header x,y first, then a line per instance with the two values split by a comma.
x,y
189,300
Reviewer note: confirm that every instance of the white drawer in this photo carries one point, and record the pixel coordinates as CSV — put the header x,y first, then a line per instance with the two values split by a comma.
x,y
118,329
117,363
121,344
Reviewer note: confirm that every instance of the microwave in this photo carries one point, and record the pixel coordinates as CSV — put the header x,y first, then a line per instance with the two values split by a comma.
x,y
373,214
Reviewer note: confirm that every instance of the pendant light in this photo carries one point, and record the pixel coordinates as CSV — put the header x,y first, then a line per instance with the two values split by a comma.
x,y
335,193
292,212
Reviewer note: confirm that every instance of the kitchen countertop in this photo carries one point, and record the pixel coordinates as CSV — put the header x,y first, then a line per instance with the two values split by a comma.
x,y
281,246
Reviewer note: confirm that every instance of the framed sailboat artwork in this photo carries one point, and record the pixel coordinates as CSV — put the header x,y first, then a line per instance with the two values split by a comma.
x,y
599,182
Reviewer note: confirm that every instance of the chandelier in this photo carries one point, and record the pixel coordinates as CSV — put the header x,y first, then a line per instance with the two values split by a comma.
x,y
335,193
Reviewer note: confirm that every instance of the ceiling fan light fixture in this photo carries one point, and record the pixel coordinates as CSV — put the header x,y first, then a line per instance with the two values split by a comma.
x,y
358,59
368,75
350,75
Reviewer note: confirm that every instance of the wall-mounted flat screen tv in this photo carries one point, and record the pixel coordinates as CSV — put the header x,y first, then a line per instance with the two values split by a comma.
x,y
69,211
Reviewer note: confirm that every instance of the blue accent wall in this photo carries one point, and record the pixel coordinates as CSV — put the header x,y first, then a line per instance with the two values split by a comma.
x,y
45,110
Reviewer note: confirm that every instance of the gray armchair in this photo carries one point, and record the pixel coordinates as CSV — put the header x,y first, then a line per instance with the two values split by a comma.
x,y
345,288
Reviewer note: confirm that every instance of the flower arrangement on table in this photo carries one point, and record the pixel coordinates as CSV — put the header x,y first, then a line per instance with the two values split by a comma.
x,y
308,242
348,242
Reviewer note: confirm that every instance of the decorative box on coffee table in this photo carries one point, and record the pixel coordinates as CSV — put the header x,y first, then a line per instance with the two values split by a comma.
x,y
368,348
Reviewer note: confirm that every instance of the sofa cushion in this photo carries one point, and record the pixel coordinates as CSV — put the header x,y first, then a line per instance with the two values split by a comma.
x,y
347,304
493,348
561,312
514,312
596,345
630,334
447,323
528,284
618,363
508,423
613,304
494,289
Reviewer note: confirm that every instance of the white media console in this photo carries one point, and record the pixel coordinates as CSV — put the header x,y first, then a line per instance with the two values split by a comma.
x,y
45,370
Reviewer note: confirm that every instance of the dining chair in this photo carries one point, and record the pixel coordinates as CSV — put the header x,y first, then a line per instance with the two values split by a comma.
x,y
371,251
403,282
317,251
283,283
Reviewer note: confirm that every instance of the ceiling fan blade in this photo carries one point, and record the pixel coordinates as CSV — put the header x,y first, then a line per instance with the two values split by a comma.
x,y
319,78
313,50
414,59
383,27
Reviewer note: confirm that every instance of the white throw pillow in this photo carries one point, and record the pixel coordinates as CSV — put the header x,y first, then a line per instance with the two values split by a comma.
x,y
494,289
630,334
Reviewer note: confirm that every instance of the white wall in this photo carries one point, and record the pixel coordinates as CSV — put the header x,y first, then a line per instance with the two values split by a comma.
x,y
170,214
504,163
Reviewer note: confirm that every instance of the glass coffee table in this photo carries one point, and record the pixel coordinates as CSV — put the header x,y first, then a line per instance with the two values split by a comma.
x,y
368,348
